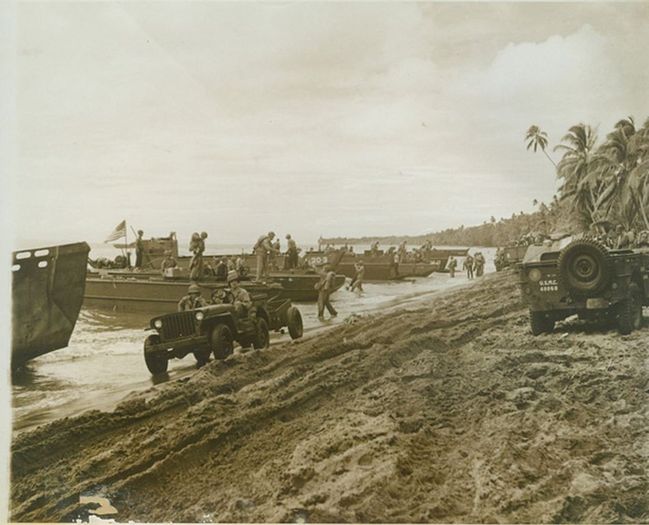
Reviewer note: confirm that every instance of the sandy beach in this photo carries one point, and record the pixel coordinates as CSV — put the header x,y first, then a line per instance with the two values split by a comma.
x,y
445,410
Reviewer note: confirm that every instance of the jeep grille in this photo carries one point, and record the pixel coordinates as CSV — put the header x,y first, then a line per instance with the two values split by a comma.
x,y
178,325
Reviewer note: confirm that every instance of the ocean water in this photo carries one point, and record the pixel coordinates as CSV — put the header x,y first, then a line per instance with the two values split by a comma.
x,y
104,361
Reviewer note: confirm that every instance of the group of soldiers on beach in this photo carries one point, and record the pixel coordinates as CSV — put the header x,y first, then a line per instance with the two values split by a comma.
x,y
472,264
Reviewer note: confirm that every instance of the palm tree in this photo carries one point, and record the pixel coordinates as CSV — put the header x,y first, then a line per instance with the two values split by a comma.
x,y
535,139
623,168
576,170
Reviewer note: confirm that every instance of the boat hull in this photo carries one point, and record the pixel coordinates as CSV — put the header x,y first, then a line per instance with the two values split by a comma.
x,y
380,267
133,293
47,292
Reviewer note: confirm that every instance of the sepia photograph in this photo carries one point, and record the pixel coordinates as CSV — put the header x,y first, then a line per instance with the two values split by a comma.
x,y
324,262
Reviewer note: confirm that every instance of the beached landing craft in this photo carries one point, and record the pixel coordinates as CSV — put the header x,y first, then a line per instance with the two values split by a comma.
x,y
153,293
381,266
47,292
112,285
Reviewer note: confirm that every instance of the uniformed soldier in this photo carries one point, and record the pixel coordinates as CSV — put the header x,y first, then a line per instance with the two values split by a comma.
x,y
357,281
325,287
272,262
240,298
375,248
402,252
139,249
221,270
468,266
622,239
263,248
291,253
196,264
168,262
643,239
452,265
192,300
478,264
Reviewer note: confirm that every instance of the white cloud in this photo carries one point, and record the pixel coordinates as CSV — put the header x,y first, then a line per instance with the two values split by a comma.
x,y
181,114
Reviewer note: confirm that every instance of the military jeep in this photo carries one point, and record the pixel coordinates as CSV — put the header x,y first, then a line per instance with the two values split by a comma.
x,y
585,278
215,328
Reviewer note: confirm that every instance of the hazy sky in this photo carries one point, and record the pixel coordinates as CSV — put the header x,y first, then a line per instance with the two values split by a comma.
x,y
318,118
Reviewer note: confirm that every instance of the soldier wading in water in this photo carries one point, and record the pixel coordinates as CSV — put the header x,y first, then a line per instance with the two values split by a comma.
x,y
325,287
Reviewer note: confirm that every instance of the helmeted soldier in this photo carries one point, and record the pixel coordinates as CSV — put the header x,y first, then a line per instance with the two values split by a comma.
x,y
402,252
168,262
468,266
139,249
622,239
197,247
240,297
451,265
192,300
221,270
291,253
359,276
325,287
263,248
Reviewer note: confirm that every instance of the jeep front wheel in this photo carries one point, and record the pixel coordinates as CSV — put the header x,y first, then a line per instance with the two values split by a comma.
x,y
630,312
540,324
157,363
294,323
221,342
262,338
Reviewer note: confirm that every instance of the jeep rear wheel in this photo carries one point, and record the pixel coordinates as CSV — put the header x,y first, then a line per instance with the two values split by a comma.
x,y
294,322
540,324
221,340
157,363
584,268
262,338
630,312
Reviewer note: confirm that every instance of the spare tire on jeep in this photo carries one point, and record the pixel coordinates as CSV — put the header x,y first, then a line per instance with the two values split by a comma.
x,y
584,268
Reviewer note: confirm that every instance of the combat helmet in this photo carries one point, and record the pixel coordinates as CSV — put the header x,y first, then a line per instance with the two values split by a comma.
x,y
193,288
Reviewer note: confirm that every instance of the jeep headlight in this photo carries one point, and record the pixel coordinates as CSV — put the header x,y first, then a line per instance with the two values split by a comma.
x,y
534,275
200,316
157,323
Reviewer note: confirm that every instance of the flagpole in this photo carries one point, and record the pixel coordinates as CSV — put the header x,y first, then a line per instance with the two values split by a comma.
x,y
128,254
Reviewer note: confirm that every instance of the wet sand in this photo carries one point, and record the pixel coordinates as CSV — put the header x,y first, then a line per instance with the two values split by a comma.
x,y
444,410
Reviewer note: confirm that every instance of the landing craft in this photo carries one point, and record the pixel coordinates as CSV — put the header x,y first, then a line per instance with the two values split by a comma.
x,y
47,292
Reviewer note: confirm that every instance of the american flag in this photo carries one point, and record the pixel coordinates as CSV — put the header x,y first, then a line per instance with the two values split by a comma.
x,y
118,232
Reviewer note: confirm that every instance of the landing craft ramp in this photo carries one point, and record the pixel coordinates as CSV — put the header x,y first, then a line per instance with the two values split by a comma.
x,y
47,291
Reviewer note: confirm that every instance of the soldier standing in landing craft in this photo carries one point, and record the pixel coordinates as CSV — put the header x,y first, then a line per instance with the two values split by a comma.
x,y
403,251
196,264
263,248
291,253
139,249
325,287
168,262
